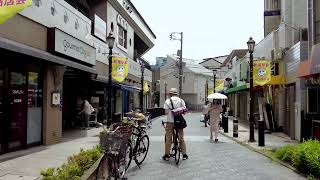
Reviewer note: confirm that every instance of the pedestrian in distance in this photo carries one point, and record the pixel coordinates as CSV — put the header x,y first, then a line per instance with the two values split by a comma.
x,y
86,111
214,111
205,113
168,124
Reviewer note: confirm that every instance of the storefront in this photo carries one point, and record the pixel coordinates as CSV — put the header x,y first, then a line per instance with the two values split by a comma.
x,y
21,101
309,71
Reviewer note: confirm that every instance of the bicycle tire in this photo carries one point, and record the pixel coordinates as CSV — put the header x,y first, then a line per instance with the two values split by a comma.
x,y
130,155
103,170
177,155
145,148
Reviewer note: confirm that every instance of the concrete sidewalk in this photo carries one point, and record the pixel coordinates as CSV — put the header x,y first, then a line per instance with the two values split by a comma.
x,y
272,141
27,164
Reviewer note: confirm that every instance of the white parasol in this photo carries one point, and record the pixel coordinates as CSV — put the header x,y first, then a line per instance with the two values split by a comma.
x,y
217,96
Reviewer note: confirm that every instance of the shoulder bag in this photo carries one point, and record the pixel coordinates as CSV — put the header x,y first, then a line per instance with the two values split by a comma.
x,y
179,121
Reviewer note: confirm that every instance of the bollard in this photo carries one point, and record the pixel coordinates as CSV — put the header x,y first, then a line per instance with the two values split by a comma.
x,y
261,133
235,128
225,122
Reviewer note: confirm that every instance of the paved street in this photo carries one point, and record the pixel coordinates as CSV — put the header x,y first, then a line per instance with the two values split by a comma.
x,y
225,160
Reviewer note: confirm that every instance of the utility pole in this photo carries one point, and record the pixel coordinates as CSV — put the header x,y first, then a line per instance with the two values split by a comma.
x,y
180,66
165,91
180,58
214,80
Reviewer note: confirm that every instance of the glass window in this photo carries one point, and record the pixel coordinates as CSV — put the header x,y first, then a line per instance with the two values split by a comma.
x,y
122,37
34,126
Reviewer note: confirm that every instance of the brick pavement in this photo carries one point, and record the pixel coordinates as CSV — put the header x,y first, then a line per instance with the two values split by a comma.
x,y
224,160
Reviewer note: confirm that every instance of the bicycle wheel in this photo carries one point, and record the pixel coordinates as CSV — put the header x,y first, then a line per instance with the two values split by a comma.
x,y
129,155
142,149
104,169
177,155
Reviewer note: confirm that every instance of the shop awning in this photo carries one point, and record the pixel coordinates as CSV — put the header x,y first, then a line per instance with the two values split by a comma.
x,y
130,88
126,87
304,68
312,66
236,89
30,51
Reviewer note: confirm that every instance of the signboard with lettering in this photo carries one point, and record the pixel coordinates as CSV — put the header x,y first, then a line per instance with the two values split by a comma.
x,y
63,43
9,8
100,28
261,72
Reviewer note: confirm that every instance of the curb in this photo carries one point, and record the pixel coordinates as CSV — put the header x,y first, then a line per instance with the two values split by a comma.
x,y
265,154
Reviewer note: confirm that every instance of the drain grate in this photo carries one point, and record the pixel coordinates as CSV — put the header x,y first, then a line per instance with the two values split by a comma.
x,y
17,177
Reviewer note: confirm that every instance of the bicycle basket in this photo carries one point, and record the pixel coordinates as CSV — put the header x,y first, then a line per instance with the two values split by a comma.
x,y
114,143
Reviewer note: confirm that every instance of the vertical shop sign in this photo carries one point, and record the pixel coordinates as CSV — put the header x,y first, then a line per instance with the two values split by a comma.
x,y
261,72
120,68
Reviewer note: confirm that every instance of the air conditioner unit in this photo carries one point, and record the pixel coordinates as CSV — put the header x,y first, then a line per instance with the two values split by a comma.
x,y
276,54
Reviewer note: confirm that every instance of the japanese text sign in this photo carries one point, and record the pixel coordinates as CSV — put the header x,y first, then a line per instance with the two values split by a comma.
x,y
120,68
261,72
9,8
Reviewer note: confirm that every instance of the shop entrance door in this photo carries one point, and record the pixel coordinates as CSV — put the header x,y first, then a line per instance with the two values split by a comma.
x,y
2,113
17,89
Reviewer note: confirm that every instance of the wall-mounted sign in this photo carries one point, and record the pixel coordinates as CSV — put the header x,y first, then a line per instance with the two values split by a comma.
x,y
56,99
60,42
313,82
100,28
122,22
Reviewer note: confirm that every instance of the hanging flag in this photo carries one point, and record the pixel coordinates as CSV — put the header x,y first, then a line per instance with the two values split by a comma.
x,y
261,72
9,8
219,85
120,68
145,87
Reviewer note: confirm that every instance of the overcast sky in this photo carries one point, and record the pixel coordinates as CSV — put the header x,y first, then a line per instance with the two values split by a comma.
x,y
211,27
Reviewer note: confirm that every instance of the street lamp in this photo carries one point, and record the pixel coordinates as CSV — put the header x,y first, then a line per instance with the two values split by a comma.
x,y
214,80
251,45
110,41
142,66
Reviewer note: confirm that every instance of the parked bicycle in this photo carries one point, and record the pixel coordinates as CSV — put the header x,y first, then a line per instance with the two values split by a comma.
x,y
139,142
113,164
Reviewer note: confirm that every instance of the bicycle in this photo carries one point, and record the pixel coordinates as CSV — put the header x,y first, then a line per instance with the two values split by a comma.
x,y
176,149
113,163
140,141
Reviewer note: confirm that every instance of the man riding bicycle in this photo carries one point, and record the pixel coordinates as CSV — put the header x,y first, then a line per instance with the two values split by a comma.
x,y
177,102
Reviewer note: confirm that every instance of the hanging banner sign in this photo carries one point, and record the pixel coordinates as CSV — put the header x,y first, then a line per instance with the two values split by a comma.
x,y
219,86
261,72
9,8
145,88
120,68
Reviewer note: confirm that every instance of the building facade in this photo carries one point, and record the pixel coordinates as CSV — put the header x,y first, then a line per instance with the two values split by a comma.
x,y
194,81
54,53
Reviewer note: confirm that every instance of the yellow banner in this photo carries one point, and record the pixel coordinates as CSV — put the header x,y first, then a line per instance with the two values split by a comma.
x,y
9,8
120,68
145,88
219,86
261,72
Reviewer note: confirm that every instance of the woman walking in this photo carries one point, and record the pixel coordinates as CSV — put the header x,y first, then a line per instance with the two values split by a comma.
x,y
214,112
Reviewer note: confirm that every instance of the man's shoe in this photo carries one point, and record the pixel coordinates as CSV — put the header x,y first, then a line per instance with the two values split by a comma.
x,y
185,157
166,157
216,140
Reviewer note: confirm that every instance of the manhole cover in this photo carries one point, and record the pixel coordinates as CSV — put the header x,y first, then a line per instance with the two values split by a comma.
x,y
17,177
